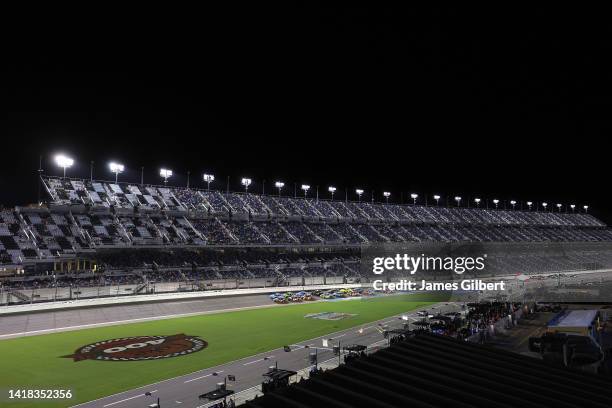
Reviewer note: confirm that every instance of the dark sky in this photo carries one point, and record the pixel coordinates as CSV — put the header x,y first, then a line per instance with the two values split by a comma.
x,y
399,100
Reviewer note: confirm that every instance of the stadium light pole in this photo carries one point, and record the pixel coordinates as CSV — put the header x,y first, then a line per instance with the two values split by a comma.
x,y
559,207
544,205
246,182
414,197
573,207
64,162
279,185
387,195
586,208
512,203
477,201
332,190
529,204
458,200
437,198
359,193
208,178
496,202
165,174
117,169
305,187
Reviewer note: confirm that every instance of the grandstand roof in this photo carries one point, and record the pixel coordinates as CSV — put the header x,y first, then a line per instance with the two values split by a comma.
x,y
435,371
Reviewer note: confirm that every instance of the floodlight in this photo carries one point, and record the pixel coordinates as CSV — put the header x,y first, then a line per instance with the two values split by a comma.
x,y
208,178
246,182
116,168
332,190
387,195
586,208
495,201
359,193
305,187
279,184
414,196
165,174
64,162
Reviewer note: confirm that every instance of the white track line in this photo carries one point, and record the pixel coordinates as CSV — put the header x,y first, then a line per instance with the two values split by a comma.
x,y
127,399
257,361
203,376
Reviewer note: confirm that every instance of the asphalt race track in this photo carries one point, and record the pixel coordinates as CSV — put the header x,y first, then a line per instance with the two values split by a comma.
x,y
79,318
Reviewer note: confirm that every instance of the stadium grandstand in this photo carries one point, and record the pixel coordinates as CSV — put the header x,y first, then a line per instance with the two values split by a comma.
x,y
140,238
430,370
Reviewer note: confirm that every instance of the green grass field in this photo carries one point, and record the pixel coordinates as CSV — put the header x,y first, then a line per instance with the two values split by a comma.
x,y
37,361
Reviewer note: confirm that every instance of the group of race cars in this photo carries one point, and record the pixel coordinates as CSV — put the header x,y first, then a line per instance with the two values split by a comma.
x,y
302,296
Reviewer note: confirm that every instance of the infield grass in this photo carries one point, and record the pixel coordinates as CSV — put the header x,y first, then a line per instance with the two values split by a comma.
x,y
36,361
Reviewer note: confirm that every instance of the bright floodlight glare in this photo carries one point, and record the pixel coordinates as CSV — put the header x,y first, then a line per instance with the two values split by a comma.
x,y
414,195
165,173
496,201
116,167
279,184
305,187
572,206
512,202
436,197
331,189
529,203
558,205
209,178
586,207
477,200
544,205
387,194
457,198
246,182
359,191
64,162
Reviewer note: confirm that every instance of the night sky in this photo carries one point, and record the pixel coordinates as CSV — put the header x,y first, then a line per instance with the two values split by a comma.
x,y
404,101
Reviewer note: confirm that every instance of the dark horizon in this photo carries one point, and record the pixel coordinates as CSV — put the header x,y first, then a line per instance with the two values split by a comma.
x,y
350,98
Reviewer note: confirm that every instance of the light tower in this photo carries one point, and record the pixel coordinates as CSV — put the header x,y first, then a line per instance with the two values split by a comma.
x,y
305,187
117,169
437,198
544,205
414,197
359,193
165,174
559,207
246,182
208,178
387,195
512,203
496,202
64,162
332,190
279,185
586,208
529,204
458,200
477,201
573,207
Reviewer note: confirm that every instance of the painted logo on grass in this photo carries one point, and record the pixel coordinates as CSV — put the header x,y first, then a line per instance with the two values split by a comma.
x,y
140,348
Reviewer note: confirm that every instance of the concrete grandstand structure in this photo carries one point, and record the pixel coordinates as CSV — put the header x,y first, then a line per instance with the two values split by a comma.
x,y
130,238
